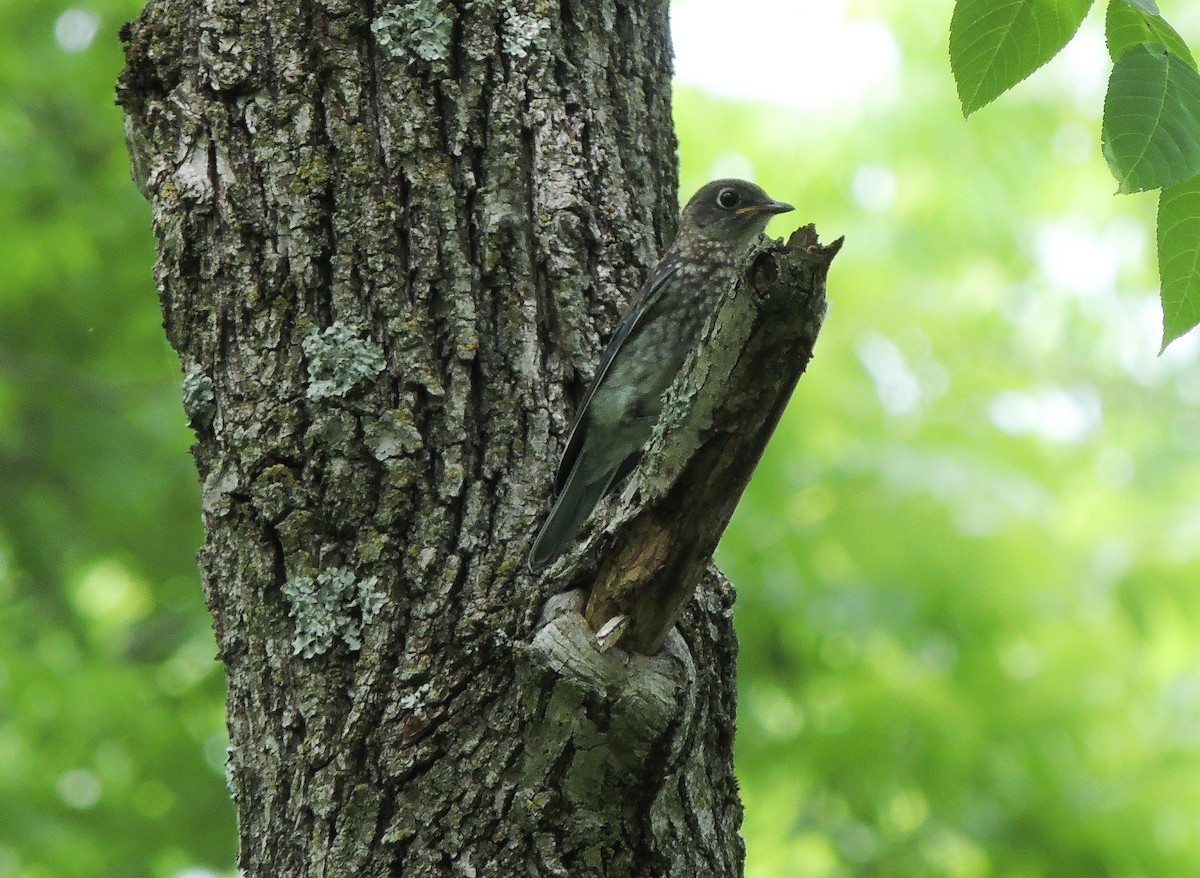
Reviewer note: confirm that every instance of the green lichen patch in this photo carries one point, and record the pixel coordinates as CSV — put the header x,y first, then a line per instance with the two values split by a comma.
x,y
338,359
525,33
423,28
392,434
199,399
275,492
334,605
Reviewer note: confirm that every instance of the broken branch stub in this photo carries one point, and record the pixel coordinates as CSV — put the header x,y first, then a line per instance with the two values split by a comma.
x,y
716,423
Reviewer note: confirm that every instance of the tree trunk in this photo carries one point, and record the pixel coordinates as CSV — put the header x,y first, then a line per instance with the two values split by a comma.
x,y
390,242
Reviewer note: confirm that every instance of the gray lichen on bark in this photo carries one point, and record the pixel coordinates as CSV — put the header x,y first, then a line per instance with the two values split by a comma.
x,y
199,401
332,606
339,358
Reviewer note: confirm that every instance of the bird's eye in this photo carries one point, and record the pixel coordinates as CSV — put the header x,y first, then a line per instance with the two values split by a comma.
x,y
727,199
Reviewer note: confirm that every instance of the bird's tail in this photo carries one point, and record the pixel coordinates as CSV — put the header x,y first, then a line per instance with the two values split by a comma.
x,y
575,503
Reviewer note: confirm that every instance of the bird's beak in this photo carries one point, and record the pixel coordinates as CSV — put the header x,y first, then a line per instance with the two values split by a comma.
x,y
771,207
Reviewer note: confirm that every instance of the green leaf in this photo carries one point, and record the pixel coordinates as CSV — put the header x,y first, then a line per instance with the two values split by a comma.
x,y
1126,26
1179,258
994,44
1150,135
1145,5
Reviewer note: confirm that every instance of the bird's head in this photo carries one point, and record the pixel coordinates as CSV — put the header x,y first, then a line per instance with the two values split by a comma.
x,y
730,211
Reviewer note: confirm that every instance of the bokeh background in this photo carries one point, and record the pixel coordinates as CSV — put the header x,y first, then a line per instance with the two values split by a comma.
x,y
969,565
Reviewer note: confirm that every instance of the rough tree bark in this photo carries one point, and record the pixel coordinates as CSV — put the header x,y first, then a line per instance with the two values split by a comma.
x,y
391,238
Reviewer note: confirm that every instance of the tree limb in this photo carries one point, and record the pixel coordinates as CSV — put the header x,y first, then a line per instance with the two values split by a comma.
x,y
717,421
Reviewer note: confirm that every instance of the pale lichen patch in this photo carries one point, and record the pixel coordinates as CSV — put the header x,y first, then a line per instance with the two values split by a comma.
x,y
338,359
333,605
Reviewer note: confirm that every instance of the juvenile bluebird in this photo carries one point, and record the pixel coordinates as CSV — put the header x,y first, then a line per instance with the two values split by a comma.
x,y
618,413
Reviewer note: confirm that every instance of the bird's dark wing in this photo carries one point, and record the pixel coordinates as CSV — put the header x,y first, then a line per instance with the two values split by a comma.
x,y
646,299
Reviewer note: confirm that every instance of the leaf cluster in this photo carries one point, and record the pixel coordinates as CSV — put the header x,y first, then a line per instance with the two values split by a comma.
x,y
1151,128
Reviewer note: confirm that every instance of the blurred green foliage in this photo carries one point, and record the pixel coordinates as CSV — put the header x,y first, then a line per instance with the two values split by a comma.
x,y
967,568
112,741
968,565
